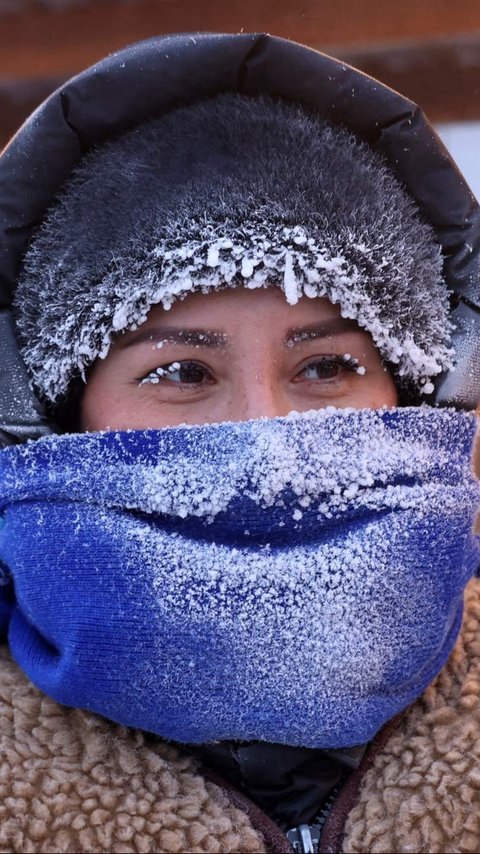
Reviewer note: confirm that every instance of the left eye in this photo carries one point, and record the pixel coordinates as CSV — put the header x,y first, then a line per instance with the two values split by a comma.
x,y
187,373
323,369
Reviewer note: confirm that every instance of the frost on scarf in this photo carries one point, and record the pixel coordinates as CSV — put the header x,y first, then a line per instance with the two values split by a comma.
x,y
274,462
296,580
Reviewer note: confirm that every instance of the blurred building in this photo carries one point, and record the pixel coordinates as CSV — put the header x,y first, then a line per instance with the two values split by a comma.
x,y
427,49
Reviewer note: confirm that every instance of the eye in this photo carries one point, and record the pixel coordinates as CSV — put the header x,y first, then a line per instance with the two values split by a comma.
x,y
330,368
180,373
322,369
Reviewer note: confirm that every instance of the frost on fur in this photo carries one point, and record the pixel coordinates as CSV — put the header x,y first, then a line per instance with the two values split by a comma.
x,y
258,193
252,256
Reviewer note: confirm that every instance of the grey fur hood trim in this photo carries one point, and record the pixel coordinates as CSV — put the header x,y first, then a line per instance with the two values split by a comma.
x,y
226,192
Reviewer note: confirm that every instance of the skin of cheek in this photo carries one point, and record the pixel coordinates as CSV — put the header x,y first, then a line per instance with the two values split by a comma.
x,y
385,395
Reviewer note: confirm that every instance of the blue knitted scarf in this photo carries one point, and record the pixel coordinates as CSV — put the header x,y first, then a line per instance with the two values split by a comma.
x,y
296,580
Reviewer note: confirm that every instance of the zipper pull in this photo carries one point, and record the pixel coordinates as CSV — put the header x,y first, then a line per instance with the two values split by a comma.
x,y
304,839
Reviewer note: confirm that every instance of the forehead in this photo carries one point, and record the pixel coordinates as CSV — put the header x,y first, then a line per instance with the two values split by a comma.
x,y
240,309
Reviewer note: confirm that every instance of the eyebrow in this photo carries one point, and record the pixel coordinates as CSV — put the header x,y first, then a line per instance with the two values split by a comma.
x,y
172,335
325,329
215,339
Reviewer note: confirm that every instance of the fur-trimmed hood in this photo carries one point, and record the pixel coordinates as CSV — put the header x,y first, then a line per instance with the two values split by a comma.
x,y
149,78
231,191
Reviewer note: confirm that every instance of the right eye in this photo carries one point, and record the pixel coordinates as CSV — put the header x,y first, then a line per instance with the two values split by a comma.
x,y
179,373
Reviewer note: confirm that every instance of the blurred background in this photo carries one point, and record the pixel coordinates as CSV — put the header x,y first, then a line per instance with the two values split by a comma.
x,y
427,49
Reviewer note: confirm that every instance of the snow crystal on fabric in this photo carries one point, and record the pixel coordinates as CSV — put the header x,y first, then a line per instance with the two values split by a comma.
x,y
295,580
175,471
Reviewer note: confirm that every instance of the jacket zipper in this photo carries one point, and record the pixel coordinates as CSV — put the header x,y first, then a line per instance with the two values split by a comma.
x,y
305,838
326,837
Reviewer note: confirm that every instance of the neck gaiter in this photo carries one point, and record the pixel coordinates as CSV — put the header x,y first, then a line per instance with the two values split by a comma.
x,y
293,580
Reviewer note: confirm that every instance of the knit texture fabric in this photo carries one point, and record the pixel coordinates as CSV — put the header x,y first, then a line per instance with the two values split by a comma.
x,y
233,191
295,580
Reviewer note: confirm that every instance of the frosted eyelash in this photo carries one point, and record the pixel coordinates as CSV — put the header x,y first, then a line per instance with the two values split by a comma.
x,y
156,375
351,363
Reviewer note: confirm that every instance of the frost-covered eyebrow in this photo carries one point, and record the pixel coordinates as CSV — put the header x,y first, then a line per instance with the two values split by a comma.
x,y
325,329
172,335
213,338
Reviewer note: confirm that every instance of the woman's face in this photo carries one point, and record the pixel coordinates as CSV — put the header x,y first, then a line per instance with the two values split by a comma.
x,y
234,355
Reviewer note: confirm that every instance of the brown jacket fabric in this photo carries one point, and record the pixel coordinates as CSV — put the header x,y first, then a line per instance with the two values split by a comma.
x,y
71,781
